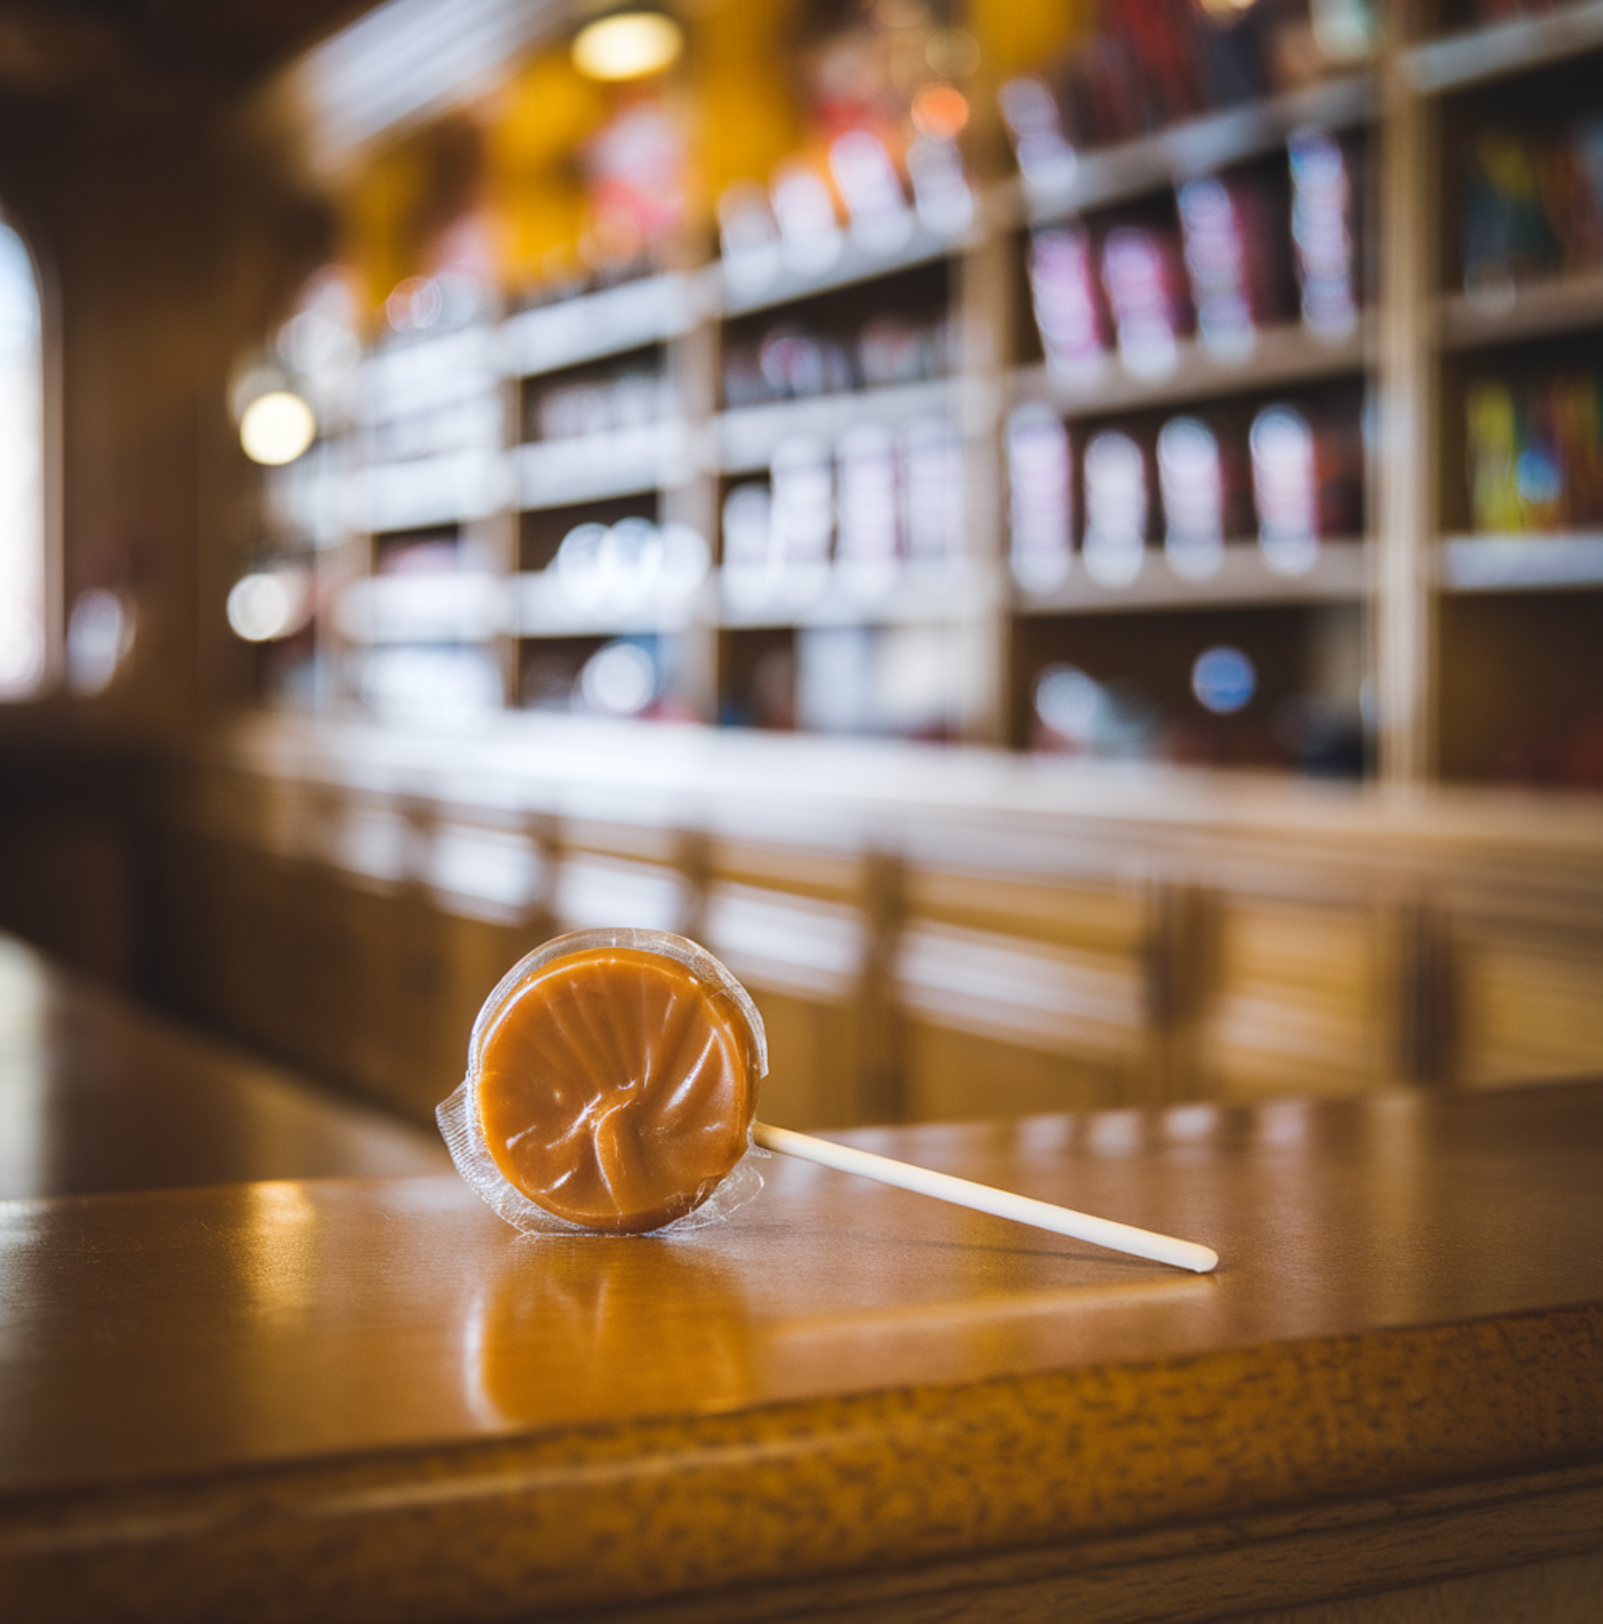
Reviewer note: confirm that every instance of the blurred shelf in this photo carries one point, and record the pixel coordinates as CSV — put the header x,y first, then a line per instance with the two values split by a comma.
x,y
596,325
545,606
740,293
423,491
1285,354
841,594
1154,162
592,467
1481,54
432,607
1520,563
747,435
409,376
1340,574
1528,310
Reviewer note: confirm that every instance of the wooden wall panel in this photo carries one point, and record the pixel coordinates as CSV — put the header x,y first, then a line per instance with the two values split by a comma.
x,y
1529,1011
954,1075
1297,1001
1026,994
896,984
812,1063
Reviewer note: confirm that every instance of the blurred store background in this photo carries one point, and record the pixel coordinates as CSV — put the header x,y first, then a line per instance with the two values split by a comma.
x,y
827,367
1062,537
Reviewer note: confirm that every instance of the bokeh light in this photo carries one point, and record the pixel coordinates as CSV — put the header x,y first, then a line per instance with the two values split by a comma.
x,y
100,634
267,605
628,45
940,112
1068,701
1224,680
276,428
619,680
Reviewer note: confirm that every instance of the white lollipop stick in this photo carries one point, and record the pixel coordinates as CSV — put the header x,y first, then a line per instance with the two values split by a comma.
x,y
982,1198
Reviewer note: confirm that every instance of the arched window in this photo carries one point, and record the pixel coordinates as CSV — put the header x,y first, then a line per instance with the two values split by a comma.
x,y
23,574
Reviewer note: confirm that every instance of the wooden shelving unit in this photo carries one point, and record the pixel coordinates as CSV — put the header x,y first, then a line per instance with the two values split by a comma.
x,y
1508,623
1385,592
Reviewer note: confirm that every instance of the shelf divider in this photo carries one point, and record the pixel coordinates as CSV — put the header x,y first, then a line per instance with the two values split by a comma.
x,y
1405,470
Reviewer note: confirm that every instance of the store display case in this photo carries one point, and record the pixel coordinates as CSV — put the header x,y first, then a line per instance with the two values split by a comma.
x,y
1192,354
1518,131
676,594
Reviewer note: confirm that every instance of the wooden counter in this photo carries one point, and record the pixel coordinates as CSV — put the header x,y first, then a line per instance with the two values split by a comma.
x,y
371,1400
97,1094
930,934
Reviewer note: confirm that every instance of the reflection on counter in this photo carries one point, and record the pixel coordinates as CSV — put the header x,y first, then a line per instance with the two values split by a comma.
x,y
563,1316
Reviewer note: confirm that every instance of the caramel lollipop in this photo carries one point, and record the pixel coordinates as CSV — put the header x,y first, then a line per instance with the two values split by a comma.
x,y
612,1079
612,1084
647,1088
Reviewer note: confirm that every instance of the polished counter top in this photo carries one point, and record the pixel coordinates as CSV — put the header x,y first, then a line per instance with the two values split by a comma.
x,y
929,803
97,1094
289,1399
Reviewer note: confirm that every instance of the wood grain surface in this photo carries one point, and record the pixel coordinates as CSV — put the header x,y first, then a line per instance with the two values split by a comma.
x,y
283,1399
97,1094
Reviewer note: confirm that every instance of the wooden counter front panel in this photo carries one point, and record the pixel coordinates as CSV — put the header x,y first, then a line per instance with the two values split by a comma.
x,y
1529,1010
1297,990
1114,964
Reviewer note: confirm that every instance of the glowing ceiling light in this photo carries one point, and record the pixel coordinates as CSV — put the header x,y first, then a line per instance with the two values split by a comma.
x,y
276,428
627,45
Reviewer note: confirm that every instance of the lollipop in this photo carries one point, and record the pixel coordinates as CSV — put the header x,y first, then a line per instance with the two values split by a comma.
x,y
612,1084
617,1086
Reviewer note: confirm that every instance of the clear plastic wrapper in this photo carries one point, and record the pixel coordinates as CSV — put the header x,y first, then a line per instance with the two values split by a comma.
x,y
611,1086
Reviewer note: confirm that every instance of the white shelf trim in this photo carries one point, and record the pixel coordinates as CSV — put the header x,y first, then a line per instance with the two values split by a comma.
x,y
1478,55
1198,146
593,326
593,467
1340,574
1520,563
747,435
1527,310
855,263
902,592
542,608
1284,354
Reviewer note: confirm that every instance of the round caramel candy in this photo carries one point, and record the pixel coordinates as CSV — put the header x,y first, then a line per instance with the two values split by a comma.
x,y
616,1086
